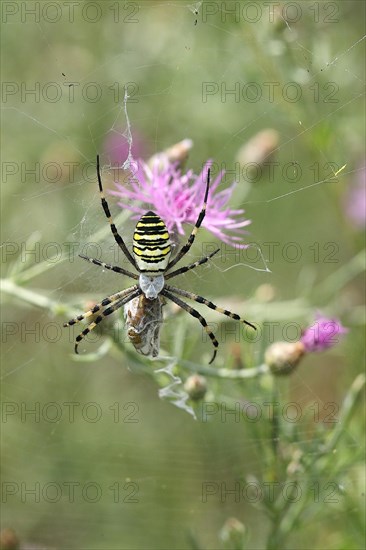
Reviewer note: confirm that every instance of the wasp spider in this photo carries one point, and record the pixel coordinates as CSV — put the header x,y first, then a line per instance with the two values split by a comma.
x,y
144,300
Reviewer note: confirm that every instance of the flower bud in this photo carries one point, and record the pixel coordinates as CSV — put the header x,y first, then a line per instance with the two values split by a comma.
x,y
196,387
295,466
259,148
177,153
8,540
283,357
232,533
265,292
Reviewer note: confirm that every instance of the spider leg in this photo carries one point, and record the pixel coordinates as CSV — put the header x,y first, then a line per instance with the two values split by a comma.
x,y
114,268
116,305
201,300
101,304
195,314
192,236
190,266
107,212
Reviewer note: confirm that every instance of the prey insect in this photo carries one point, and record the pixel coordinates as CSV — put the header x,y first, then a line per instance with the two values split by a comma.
x,y
143,302
144,318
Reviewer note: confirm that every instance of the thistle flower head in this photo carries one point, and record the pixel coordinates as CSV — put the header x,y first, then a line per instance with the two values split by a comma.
x,y
178,199
323,334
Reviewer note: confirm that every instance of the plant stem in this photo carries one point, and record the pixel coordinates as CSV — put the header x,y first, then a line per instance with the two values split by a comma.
x,y
225,373
30,296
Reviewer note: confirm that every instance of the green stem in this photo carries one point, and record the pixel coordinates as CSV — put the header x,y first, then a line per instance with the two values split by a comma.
x,y
225,373
287,518
338,279
37,269
29,296
346,412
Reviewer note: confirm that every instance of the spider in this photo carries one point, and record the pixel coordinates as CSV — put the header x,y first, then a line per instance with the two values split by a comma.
x,y
151,259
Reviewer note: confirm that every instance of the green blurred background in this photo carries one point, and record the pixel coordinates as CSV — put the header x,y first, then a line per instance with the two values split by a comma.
x,y
168,52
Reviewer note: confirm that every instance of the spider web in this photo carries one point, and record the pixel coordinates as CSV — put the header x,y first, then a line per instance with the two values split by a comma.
x,y
167,55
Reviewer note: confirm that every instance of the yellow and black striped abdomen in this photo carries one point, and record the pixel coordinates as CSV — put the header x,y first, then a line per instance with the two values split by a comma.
x,y
151,244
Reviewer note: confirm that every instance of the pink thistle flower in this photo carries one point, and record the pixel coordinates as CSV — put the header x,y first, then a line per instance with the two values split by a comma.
x,y
323,335
178,198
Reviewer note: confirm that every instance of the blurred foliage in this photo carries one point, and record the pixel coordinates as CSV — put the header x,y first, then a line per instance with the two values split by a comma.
x,y
139,466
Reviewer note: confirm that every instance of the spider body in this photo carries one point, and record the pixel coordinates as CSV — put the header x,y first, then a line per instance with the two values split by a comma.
x,y
151,245
152,260
151,250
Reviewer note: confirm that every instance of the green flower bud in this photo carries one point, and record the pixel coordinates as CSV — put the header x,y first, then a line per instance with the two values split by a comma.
x,y
196,387
233,533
